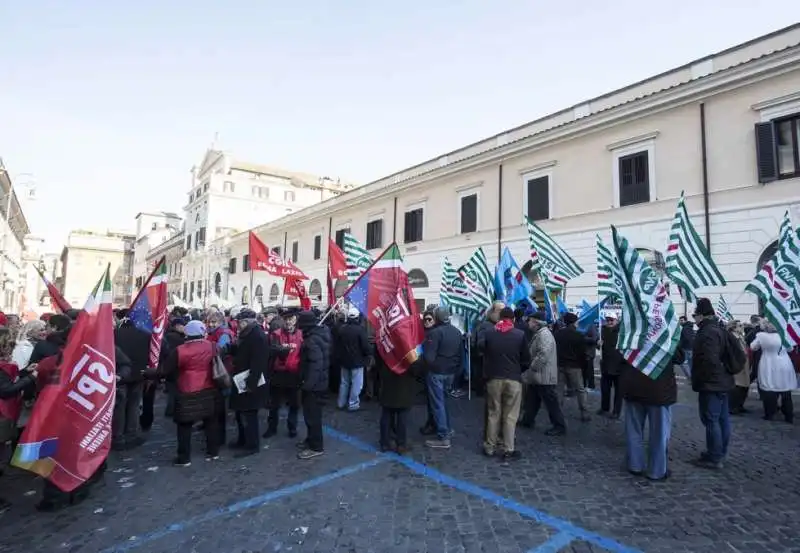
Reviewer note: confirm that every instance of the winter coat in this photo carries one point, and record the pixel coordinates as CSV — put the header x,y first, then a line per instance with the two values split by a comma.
x,y
190,367
284,369
775,369
136,345
543,367
590,339
352,345
640,388
252,354
612,362
687,336
443,350
315,355
51,345
398,391
570,347
709,373
505,352
742,378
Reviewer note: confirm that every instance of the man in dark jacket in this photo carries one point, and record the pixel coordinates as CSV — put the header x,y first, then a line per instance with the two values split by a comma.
x,y
686,344
443,354
712,382
353,353
571,350
611,363
315,355
135,344
252,357
505,353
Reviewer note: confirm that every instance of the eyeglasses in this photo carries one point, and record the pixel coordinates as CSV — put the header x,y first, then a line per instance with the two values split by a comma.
x,y
427,320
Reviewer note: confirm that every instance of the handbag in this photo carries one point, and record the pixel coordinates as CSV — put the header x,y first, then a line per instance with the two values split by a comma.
x,y
219,374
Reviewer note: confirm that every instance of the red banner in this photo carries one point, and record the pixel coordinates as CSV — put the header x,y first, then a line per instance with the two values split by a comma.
x,y
337,268
294,287
264,259
69,433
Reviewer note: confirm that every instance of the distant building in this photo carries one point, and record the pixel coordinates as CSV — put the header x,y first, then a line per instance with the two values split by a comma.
x,y
172,250
227,196
13,229
84,259
152,229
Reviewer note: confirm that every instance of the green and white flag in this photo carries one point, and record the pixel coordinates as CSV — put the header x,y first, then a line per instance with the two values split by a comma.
x,y
649,330
549,260
723,313
777,285
785,233
475,274
453,292
357,258
689,265
607,272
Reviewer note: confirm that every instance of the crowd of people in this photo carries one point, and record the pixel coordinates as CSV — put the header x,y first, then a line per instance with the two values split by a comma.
x,y
216,363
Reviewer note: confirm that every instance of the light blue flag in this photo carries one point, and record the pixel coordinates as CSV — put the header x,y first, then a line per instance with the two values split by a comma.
x,y
589,317
561,306
510,285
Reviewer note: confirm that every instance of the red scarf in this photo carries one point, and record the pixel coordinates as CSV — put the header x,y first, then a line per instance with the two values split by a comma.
x,y
504,326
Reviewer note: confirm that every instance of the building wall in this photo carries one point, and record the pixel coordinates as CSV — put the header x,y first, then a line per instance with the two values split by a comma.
x,y
172,250
85,258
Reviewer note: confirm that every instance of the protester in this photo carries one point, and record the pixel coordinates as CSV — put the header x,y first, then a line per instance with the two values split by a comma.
x,y
396,398
252,357
353,354
741,379
571,350
712,382
443,354
542,377
197,396
686,344
54,340
591,339
611,364
30,334
284,375
505,352
315,354
776,376
135,343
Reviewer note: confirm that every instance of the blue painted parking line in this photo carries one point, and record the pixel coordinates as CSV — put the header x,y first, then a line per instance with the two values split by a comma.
x,y
251,503
559,524
554,544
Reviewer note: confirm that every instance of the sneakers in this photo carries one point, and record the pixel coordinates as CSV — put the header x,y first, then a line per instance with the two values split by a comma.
x,y
178,462
511,455
212,458
301,445
309,454
438,444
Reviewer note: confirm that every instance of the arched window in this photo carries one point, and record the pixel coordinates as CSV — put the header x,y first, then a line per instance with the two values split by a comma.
x,y
218,284
315,290
245,296
274,292
417,278
259,293
233,293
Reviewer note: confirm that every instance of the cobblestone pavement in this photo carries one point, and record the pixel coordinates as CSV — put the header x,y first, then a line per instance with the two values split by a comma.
x,y
567,494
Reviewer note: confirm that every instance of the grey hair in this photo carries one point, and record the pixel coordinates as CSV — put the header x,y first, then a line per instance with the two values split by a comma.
x,y
767,326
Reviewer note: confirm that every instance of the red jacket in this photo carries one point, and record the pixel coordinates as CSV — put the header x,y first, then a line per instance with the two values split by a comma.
x,y
194,366
291,361
10,408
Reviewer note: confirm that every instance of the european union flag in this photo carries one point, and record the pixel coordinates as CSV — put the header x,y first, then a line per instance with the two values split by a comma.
x,y
141,313
510,285
358,295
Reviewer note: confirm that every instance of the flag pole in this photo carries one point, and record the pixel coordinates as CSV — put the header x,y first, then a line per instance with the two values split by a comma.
x,y
334,306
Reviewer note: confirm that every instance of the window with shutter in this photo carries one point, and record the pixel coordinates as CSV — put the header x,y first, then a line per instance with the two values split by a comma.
x,y
375,234
413,228
538,198
339,238
277,250
232,266
295,248
786,135
469,213
246,263
317,247
634,179
766,158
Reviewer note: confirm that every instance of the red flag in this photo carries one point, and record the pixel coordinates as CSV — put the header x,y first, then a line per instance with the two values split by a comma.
x,y
148,312
56,299
264,259
294,287
337,268
69,433
382,294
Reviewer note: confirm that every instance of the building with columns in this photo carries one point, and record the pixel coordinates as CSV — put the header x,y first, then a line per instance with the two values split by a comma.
x,y
724,129
227,196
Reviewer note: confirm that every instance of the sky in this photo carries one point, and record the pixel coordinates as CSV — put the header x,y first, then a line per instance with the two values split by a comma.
x,y
106,106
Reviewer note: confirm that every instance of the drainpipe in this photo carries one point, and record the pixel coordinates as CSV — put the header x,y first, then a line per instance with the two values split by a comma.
x,y
705,174
394,221
499,211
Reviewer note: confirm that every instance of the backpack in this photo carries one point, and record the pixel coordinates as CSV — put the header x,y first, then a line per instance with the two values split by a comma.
x,y
734,357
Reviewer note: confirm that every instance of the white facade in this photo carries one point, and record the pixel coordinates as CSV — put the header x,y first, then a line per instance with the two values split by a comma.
x,y
152,229
85,257
172,250
13,229
228,196
724,129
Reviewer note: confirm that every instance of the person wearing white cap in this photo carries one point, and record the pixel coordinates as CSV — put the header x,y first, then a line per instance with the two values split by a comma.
x,y
353,352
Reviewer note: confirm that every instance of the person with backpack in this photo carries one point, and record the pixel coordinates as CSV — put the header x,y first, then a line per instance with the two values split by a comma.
x,y
284,374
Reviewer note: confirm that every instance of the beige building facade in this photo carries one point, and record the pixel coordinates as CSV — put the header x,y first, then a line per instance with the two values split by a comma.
x,y
13,230
85,257
152,230
724,129
172,250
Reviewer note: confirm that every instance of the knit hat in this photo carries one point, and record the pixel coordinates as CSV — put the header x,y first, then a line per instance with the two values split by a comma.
x,y
442,314
506,314
353,312
704,307
195,329
570,318
306,319
539,316
245,314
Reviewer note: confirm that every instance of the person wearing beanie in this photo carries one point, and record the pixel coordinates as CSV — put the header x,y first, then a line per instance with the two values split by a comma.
x,y
476,359
315,357
251,361
713,382
135,343
571,352
353,354
505,353
541,377
443,356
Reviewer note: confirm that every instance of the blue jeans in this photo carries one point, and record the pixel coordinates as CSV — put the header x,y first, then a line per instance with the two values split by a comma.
x,y
687,363
659,419
350,384
714,415
438,387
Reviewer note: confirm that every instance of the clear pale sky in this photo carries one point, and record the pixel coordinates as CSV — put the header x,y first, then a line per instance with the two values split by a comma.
x,y
109,104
